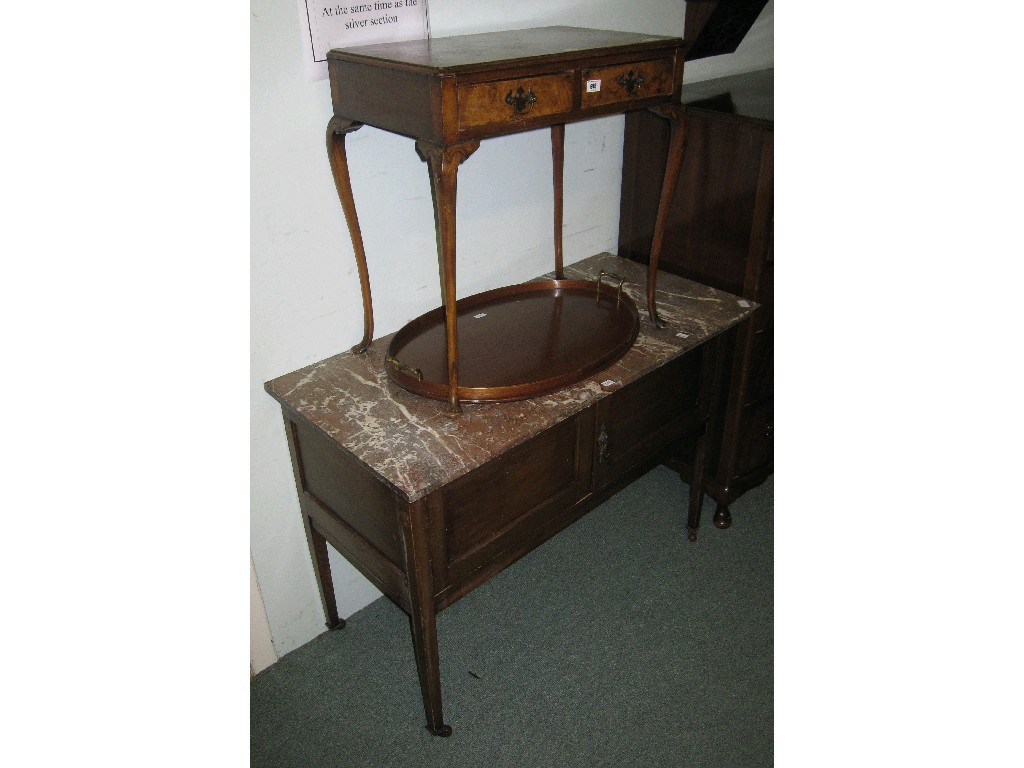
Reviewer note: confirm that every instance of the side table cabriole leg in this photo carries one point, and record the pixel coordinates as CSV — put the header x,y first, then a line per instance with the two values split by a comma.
x,y
423,613
337,128
557,168
676,115
444,165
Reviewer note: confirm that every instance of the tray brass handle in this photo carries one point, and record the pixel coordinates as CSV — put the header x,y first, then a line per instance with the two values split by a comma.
x,y
631,81
618,293
521,100
408,369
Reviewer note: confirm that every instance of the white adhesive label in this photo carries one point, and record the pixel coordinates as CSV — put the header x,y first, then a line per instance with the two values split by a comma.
x,y
593,86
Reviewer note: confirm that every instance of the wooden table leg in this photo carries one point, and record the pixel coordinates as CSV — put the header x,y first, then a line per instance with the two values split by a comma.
x,y
696,488
732,420
324,581
423,615
337,128
712,365
557,167
676,115
444,167
317,543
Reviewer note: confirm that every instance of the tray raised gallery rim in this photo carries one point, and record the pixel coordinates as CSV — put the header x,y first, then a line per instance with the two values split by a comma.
x,y
517,342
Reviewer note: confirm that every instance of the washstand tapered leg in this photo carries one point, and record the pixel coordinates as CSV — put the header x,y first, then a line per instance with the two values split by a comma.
x,y
423,614
712,365
316,541
697,488
318,549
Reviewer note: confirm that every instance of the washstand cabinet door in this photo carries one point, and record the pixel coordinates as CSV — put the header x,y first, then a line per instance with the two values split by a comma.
x,y
498,507
641,419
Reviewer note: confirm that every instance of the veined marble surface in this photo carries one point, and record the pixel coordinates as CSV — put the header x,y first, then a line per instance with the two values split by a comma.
x,y
416,445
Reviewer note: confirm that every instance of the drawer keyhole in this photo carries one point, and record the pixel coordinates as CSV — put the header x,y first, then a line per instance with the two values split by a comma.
x,y
521,100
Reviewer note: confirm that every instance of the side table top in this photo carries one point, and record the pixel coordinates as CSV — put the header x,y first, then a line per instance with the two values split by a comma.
x,y
416,445
505,48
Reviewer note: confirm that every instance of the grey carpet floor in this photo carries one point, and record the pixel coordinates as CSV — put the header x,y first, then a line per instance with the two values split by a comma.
x,y
616,643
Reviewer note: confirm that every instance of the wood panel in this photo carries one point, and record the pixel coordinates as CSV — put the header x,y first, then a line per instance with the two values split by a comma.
x,y
708,235
720,233
644,417
348,492
756,435
382,573
493,507
411,109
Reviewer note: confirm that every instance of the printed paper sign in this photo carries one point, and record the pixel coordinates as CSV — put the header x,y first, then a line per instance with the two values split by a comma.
x,y
345,23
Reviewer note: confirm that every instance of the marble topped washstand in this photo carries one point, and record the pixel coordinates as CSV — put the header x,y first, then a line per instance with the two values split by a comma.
x,y
429,503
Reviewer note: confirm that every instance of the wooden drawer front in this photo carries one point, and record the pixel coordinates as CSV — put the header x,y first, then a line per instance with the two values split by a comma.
x,y
628,82
507,499
639,420
530,97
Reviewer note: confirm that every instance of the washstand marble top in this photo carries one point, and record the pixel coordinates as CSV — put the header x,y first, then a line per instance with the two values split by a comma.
x,y
416,445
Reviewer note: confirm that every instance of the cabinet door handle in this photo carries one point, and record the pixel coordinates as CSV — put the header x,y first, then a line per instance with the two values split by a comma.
x,y
602,445
521,100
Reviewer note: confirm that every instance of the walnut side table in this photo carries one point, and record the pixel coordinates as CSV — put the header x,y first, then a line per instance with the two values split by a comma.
x,y
450,93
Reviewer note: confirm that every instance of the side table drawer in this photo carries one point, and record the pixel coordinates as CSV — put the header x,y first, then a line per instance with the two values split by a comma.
x,y
514,100
628,82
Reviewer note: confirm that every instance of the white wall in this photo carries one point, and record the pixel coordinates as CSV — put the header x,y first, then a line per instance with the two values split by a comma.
x,y
305,301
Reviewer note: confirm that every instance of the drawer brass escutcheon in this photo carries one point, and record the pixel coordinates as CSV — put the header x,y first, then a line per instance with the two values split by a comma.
x,y
521,100
631,81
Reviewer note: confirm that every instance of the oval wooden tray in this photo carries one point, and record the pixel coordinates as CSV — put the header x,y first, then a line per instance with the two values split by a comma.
x,y
517,342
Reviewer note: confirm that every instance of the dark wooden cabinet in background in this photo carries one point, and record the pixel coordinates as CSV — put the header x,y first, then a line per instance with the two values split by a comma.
x,y
719,233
